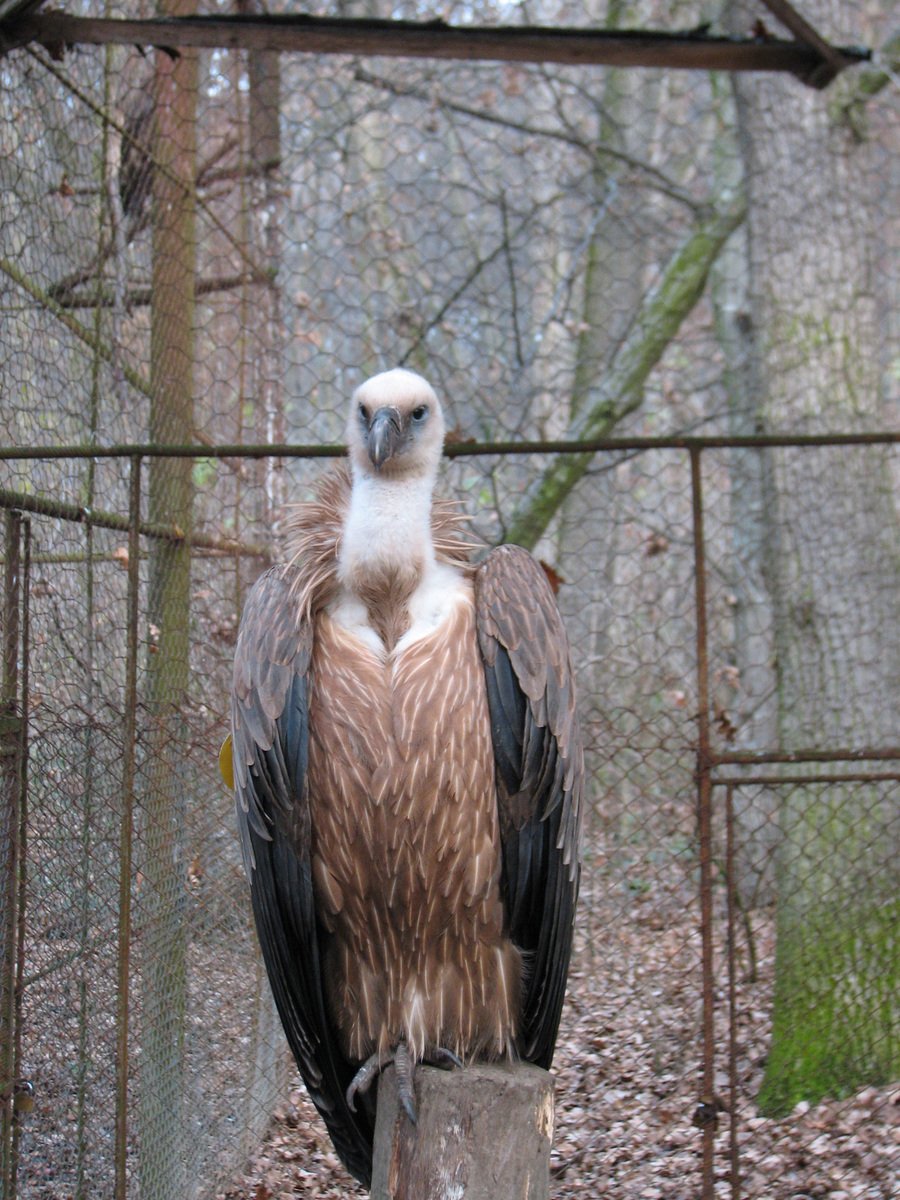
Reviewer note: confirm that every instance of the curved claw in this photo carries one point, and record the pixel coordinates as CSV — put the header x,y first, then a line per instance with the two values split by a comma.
x,y
443,1059
440,1057
362,1080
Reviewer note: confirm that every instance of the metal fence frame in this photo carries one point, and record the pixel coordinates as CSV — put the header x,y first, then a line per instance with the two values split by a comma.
x,y
714,770
21,23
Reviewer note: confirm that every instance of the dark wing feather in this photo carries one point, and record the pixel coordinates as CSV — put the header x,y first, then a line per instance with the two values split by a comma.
x,y
270,711
540,777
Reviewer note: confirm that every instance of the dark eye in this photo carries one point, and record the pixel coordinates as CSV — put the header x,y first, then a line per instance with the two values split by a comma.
x,y
364,413
420,413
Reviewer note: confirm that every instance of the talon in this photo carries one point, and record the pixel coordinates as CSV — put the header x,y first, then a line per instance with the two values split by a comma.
x,y
362,1080
405,1067
439,1057
374,1065
444,1059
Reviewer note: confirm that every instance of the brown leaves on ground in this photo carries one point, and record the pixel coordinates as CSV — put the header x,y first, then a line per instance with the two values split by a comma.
x,y
628,1083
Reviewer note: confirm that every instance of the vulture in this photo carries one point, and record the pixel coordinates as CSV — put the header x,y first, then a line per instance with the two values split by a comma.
x,y
408,775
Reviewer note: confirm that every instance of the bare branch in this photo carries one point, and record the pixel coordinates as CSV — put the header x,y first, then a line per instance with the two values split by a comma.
x,y
621,390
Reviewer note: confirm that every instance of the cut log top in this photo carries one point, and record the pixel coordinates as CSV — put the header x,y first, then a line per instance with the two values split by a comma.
x,y
483,1133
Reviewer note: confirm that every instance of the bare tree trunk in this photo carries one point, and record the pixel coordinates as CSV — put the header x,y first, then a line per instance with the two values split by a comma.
x,y
754,526
836,589
265,235
588,530
613,285
164,1174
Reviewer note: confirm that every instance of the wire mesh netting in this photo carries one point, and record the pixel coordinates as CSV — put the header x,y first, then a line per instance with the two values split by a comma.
x,y
211,250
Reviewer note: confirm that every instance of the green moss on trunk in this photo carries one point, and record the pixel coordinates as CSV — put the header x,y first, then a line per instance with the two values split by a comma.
x,y
837,992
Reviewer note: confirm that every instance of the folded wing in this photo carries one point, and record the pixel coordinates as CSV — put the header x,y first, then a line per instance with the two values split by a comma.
x,y
270,730
540,777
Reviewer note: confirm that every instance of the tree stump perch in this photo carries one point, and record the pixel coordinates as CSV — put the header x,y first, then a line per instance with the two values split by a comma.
x,y
482,1133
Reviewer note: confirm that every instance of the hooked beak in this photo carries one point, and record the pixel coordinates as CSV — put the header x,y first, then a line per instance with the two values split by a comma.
x,y
384,436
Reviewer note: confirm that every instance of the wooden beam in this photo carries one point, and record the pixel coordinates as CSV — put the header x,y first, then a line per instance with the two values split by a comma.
x,y
831,63
434,39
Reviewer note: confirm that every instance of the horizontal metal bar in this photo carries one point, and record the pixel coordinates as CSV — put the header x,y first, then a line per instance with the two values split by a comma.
x,y
228,550
437,40
798,780
465,449
762,757
46,507
128,450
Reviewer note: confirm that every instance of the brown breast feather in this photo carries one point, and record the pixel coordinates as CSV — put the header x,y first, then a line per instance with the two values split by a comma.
x,y
405,842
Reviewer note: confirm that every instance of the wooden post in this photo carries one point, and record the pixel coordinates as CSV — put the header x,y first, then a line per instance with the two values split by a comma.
x,y
483,1133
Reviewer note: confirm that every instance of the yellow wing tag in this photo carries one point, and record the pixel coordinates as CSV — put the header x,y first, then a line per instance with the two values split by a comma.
x,y
226,762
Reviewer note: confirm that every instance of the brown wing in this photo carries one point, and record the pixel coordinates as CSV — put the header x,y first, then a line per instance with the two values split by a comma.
x,y
270,730
540,777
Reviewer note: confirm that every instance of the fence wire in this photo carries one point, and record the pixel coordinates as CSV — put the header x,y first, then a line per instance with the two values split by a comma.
x,y
212,249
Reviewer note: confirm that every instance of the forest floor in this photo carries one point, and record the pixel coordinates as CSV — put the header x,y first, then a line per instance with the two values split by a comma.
x,y
628,1082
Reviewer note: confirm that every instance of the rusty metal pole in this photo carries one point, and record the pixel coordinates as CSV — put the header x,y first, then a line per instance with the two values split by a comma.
x,y
21,1087
10,739
706,1116
731,887
126,832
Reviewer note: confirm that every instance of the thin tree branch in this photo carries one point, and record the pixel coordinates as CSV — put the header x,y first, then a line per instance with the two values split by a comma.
x,y
481,265
190,188
98,345
657,178
141,297
621,390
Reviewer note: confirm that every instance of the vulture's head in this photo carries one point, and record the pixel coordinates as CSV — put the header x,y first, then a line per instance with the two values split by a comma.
x,y
396,427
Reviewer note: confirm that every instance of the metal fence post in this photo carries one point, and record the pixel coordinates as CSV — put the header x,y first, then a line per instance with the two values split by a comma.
x,y
127,828
13,692
706,1115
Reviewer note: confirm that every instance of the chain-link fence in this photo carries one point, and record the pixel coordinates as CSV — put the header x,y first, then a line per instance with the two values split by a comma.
x,y
206,251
